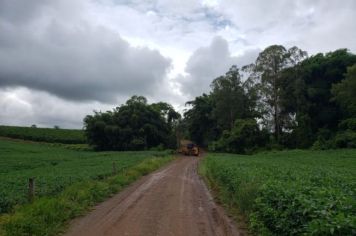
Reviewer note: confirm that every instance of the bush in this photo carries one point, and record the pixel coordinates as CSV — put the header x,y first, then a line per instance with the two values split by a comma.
x,y
346,137
245,137
348,124
135,125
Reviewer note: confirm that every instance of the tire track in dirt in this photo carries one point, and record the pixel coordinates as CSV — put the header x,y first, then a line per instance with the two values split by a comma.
x,y
171,201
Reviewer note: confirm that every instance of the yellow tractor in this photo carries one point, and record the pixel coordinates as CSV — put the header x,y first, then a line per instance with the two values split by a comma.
x,y
188,148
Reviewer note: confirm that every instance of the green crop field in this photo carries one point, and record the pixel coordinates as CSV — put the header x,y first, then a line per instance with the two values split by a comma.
x,y
54,168
289,192
69,136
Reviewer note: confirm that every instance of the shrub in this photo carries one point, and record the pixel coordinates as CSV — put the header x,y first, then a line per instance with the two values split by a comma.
x,y
245,137
346,137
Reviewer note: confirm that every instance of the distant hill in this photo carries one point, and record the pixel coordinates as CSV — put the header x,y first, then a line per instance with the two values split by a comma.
x,y
50,135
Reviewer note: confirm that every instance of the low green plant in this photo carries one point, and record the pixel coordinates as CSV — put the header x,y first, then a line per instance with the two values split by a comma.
x,y
289,192
55,167
49,215
69,136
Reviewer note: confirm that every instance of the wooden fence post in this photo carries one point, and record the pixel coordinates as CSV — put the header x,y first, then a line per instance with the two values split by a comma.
x,y
31,189
114,171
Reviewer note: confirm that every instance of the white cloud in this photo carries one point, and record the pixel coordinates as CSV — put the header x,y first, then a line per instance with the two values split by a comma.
x,y
208,63
22,106
107,50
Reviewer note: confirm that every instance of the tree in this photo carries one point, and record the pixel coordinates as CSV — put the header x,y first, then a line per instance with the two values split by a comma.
x,y
167,111
136,100
344,93
132,126
172,118
268,67
199,120
243,138
306,92
230,99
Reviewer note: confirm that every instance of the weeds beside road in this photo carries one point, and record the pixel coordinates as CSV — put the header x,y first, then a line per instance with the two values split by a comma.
x,y
68,183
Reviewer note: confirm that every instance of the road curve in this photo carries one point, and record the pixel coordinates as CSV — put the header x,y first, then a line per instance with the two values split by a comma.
x,y
171,201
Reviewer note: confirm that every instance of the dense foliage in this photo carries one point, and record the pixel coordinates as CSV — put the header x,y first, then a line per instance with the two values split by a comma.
x,y
345,92
244,137
296,101
289,192
200,122
225,115
54,168
135,125
69,136
308,96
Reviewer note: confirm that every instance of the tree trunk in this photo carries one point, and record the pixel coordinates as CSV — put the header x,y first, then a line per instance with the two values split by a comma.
x,y
275,103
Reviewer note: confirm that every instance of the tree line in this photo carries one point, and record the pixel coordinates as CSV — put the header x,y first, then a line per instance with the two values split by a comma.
x,y
285,99
135,125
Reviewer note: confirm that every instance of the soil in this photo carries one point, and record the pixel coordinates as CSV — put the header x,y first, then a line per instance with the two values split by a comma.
x,y
171,201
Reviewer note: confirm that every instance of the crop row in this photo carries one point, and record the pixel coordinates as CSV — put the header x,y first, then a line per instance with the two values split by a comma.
x,y
291,192
68,136
54,168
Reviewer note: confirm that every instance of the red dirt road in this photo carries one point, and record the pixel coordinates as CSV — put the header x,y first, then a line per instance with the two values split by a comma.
x,y
171,201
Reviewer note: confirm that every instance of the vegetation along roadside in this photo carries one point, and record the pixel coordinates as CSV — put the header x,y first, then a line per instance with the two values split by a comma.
x,y
68,183
289,192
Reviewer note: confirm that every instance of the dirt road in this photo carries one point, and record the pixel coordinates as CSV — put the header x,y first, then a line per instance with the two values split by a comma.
x,y
170,201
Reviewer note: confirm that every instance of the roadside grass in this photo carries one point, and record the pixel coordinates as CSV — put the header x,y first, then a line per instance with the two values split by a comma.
x,y
50,215
219,196
288,192
67,182
54,168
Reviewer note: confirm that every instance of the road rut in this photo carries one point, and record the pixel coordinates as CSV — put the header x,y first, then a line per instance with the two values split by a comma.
x,y
171,201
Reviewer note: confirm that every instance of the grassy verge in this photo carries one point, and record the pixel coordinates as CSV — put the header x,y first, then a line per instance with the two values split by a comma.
x,y
288,192
220,196
50,215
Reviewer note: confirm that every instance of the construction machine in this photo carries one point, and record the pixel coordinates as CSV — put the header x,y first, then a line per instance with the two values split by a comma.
x,y
188,148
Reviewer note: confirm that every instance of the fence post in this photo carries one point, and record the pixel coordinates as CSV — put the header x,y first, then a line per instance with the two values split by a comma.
x,y
31,189
114,171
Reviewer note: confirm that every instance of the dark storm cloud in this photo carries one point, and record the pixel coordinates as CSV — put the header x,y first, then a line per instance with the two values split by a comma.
x,y
20,11
80,49
75,61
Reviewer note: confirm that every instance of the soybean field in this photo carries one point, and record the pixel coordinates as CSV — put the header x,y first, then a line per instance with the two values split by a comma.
x,y
288,192
55,168
49,135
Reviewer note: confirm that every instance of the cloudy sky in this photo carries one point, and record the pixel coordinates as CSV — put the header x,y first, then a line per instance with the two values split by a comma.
x,y
62,59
